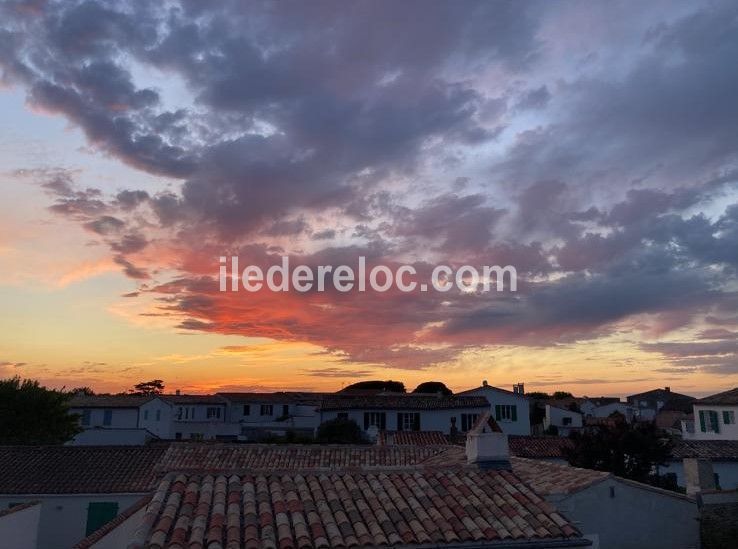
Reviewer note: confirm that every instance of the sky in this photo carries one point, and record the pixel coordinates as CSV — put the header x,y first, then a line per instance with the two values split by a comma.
x,y
592,145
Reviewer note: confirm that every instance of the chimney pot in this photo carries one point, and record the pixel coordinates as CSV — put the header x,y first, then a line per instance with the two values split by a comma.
x,y
668,389
177,392
484,383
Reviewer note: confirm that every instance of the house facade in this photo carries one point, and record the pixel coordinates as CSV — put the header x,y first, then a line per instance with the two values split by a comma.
x,y
714,418
562,420
649,403
511,409
262,414
406,412
109,419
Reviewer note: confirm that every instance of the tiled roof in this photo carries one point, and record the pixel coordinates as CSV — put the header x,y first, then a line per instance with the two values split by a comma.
x,y
78,469
538,447
548,478
412,438
403,402
346,509
661,394
489,388
108,401
726,397
193,399
277,457
721,450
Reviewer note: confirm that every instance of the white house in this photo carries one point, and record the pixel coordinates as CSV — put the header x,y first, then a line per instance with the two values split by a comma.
x,y
564,420
651,402
615,512
260,414
406,412
199,417
510,409
714,418
69,491
109,419
606,410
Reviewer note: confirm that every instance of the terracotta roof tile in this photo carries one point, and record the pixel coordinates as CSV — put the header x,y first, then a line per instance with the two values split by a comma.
x,y
550,478
237,457
412,438
729,398
539,446
78,469
347,509
721,450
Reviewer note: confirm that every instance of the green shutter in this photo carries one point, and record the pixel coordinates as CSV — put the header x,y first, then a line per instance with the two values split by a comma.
x,y
416,423
514,410
399,421
366,420
714,421
498,412
99,513
703,428
726,418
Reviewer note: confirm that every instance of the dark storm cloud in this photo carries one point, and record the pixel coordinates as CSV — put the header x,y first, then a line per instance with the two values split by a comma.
x,y
425,127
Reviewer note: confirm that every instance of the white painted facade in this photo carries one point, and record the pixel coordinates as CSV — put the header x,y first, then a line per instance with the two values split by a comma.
x,y
501,404
726,472
259,416
63,518
623,408
564,420
712,422
114,417
430,420
19,529
627,515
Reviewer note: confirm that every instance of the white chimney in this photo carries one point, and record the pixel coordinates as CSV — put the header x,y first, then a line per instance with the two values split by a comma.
x,y
486,444
698,475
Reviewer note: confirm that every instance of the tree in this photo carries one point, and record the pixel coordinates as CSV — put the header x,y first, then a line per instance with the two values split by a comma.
x,y
87,391
561,395
32,414
631,451
433,387
538,395
375,385
153,387
339,431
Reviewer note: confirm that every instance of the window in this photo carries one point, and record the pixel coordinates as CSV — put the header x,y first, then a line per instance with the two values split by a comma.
x,y
177,436
196,436
285,410
408,421
179,413
566,420
468,421
99,513
377,419
728,417
506,412
247,409
213,412
709,421
158,415
85,417
146,414
342,415
107,417
267,410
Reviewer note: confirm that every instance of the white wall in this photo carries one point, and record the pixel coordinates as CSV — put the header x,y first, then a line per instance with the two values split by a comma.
x,y
555,416
430,420
64,517
19,529
727,472
121,417
494,396
605,411
104,436
148,414
630,517
727,432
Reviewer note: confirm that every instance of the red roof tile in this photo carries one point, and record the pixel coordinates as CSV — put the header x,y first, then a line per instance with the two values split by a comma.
x,y
346,509
720,450
412,438
219,457
729,398
538,447
550,478
78,469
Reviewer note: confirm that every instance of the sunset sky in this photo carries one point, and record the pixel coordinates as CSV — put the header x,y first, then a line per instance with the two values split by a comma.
x,y
592,145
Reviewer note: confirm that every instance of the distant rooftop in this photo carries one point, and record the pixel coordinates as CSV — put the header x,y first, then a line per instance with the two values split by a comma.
x,y
402,402
729,398
108,401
